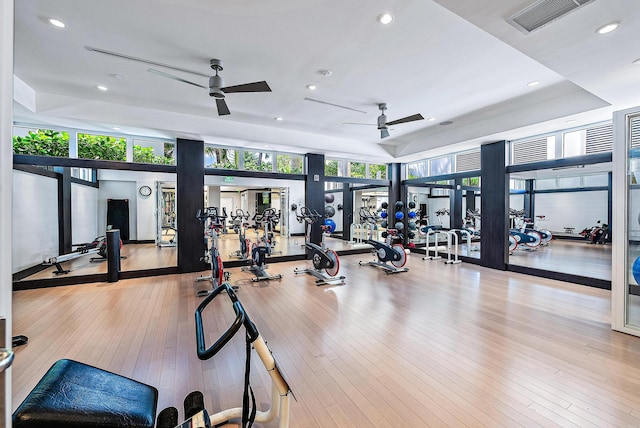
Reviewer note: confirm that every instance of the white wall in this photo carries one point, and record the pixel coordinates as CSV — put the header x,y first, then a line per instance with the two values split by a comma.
x,y
84,213
571,209
34,219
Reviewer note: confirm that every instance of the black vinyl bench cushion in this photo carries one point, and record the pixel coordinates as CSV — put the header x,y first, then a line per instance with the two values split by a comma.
x,y
76,395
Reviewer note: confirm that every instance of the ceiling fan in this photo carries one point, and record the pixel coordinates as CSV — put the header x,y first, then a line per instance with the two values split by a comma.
x,y
216,83
383,125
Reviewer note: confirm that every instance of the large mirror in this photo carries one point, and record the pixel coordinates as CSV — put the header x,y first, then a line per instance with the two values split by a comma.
x,y
142,205
559,220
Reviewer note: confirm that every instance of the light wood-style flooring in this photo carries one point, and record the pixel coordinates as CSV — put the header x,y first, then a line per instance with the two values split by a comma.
x,y
440,345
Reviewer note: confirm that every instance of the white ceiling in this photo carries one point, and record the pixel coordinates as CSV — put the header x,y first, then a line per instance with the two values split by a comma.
x,y
453,60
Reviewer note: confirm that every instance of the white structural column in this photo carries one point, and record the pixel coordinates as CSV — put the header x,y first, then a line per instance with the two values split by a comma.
x,y
6,165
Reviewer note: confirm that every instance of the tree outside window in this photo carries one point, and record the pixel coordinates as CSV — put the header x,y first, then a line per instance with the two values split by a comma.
x,y
103,147
43,142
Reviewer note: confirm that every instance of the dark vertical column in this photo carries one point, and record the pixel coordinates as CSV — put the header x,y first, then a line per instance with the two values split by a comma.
x,y
529,200
610,203
113,255
494,206
189,199
395,188
347,211
471,200
455,206
64,211
314,191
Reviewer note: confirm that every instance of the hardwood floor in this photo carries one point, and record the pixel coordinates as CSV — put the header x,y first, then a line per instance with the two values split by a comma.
x,y
440,345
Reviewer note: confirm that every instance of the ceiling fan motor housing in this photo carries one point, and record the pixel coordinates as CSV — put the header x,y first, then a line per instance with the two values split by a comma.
x,y
382,121
215,85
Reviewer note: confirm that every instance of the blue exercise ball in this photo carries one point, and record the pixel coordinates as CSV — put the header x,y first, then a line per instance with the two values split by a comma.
x,y
331,224
412,214
399,215
636,270
383,214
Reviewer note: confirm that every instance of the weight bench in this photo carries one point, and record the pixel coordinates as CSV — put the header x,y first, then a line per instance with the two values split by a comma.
x,y
76,395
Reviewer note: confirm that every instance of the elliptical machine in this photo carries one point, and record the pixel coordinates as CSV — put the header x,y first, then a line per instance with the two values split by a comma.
x,y
386,252
213,226
240,223
259,252
322,257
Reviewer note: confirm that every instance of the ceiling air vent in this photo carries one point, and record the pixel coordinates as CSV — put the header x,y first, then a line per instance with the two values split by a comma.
x,y
543,12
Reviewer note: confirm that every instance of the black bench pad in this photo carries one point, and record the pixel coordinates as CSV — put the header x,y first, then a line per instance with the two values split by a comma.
x,y
76,395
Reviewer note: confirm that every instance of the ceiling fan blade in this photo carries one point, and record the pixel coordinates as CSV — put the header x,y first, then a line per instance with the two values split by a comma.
x,y
406,119
248,87
358,123
171,76
384,133
146,61
334,105
223,110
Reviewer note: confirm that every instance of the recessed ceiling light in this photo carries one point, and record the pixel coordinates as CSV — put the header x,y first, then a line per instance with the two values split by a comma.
x,y
431,119
116,128
56,23
278,118
325,72
312,87
571,121
385,18
266,146
534,83
608,28
102,88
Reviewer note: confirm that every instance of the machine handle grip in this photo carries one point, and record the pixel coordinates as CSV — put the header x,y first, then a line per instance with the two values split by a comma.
x,y
205,353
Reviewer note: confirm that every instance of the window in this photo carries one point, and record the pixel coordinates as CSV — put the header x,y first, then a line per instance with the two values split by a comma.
x,y
595,180
331,167
258,161
440,166
378,171
417,169
103,147
357,170
220,157
573,143
85,174
290,164
517,184
42,142
156,152
471,181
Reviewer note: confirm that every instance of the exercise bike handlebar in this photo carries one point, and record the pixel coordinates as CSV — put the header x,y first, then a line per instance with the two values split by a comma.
x,y
241,319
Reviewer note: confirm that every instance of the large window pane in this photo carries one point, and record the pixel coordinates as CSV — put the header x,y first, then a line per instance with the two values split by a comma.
x,y
378,171
42,142
258,161
417,169
290,164
156,152
331,167
357,170
573,143
440,166
104,147
220,157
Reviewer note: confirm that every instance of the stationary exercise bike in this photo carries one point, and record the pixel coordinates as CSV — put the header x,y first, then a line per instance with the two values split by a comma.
x,y
530,239
259,252
323,258
213,225
386,252
240,223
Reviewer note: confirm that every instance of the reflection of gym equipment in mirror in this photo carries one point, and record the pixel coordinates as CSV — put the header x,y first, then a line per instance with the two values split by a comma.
x,y
239,223
97,246
213,224
166,235
263,246
323,258
389,251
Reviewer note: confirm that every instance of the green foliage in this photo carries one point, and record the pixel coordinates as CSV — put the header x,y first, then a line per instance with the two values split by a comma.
x,y
102,147
146,155
331,168
289,164
471,181
43,142
257,161
374,169
221,158
357,170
